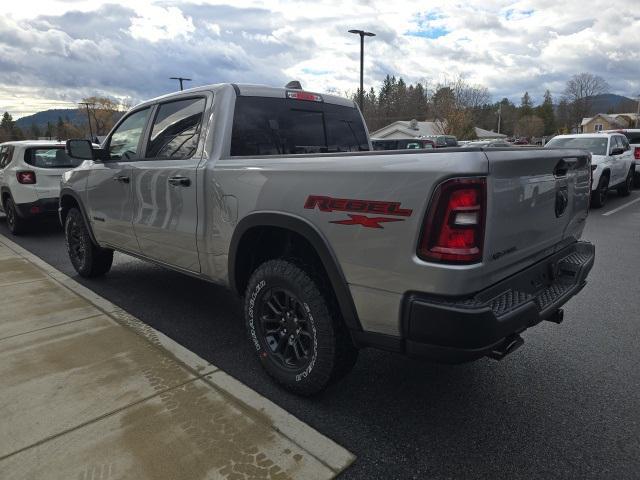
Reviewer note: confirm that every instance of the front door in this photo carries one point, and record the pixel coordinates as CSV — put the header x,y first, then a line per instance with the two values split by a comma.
x,y
109,186
164,185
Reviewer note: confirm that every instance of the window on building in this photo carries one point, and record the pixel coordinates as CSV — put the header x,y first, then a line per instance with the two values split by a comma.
x,y
597,127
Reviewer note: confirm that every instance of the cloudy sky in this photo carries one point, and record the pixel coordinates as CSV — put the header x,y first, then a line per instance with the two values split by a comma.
x,y
54,52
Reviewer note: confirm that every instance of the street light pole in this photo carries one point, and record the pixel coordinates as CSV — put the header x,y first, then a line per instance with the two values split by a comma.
x,y
638,111
362,34
180,79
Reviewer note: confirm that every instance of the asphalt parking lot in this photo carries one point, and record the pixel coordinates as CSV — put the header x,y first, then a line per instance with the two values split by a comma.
x,y
565,405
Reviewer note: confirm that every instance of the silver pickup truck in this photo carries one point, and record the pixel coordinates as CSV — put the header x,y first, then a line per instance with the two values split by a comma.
x,y
447,254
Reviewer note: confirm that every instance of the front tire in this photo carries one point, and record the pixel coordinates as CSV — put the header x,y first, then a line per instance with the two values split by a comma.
x,y
599,197
15,223
295,328
88,259
625,189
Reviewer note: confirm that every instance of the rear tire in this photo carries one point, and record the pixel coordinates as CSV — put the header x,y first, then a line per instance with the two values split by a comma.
x,y
15,223
625,189
599,197
88,259
295,327
636,179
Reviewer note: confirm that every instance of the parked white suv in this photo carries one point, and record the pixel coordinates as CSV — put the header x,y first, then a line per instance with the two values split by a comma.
x,y
612,161
30,174
633,136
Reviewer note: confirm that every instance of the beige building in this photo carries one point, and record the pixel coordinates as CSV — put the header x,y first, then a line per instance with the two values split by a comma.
x,y
610,121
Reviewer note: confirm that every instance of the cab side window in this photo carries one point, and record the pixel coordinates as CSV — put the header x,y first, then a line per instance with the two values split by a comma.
x,y
176,129
125,140
625,143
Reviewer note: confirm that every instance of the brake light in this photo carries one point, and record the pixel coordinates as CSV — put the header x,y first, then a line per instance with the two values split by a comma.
x,y
636,153
310,97
453,231
26,177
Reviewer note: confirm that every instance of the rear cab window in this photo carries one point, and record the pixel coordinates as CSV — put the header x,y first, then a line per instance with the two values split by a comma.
x,y
284,126
50,157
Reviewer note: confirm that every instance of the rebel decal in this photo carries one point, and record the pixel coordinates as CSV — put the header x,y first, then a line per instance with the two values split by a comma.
x,y
330,204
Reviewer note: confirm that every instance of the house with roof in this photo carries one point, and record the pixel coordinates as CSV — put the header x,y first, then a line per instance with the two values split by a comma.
x,y
608,121
416,129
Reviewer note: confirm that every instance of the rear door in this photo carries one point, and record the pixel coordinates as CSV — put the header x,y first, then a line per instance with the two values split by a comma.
x,y
537,201
164,184
109,186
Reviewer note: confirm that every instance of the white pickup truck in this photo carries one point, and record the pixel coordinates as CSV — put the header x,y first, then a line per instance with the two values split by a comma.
x,y
448,254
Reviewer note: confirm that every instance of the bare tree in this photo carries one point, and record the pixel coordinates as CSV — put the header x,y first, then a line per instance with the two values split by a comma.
x,y
580,91
105,112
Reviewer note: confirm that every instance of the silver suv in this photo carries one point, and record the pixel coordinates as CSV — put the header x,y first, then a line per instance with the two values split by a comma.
x,y
445,254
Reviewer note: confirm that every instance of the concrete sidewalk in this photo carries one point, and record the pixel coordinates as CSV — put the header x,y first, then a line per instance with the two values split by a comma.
x,y
89,392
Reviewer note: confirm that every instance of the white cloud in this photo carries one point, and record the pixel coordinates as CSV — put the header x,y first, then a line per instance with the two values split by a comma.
x,y
508,45
157,23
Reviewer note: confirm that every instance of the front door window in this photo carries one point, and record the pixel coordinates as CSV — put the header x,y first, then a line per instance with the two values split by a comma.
x,y
125,141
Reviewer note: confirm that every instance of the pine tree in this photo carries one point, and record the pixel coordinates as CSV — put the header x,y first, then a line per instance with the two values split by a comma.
x,y
546,112
526,105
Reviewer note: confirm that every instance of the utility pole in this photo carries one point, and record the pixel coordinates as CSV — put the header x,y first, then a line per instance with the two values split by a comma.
x,y
86,104
499,116
638,111
362,34
180,79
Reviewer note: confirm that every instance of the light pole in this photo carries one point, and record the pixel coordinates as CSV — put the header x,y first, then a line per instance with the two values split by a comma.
x,y
638,111
362,34
180,79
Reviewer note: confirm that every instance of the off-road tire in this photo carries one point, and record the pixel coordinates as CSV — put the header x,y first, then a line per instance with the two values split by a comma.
x,y
88,259
624,190
15,223
332,353
599,196
636,179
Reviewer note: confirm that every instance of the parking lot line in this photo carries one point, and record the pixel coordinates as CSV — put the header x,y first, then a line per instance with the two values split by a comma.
x,y
611,212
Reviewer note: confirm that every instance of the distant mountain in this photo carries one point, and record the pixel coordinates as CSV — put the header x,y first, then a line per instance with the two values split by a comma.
x,y
612,103
51,116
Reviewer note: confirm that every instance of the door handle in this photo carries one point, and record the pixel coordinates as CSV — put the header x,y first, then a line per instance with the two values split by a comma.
x,y
122,179
180,181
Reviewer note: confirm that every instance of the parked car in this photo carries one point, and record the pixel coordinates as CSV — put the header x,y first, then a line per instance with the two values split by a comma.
x,y
487,144
442,141
337,251
402,144
30,173
612,162
633,136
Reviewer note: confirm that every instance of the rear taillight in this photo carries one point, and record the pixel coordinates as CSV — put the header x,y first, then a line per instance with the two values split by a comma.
x,y
453,231
26,177
636,153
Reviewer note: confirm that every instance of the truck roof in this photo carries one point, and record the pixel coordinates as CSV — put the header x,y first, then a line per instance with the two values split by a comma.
x,y
251,90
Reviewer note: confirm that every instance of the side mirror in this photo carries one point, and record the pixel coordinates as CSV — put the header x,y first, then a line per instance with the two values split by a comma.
x,y
79,149
617,151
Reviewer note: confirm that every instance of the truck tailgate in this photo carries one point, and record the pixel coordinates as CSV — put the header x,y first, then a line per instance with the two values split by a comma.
x,y
538,200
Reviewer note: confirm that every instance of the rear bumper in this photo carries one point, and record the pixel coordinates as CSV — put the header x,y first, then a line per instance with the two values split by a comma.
x,y
47,206
463,329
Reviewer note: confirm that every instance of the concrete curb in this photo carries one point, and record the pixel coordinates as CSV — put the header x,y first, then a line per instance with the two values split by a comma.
x,y
325,450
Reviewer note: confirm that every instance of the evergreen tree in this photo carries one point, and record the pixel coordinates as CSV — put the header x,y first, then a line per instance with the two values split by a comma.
x,y
546,112
526,105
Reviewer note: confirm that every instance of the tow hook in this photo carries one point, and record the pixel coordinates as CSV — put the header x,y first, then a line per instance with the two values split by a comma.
x,y
508,345
557,316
